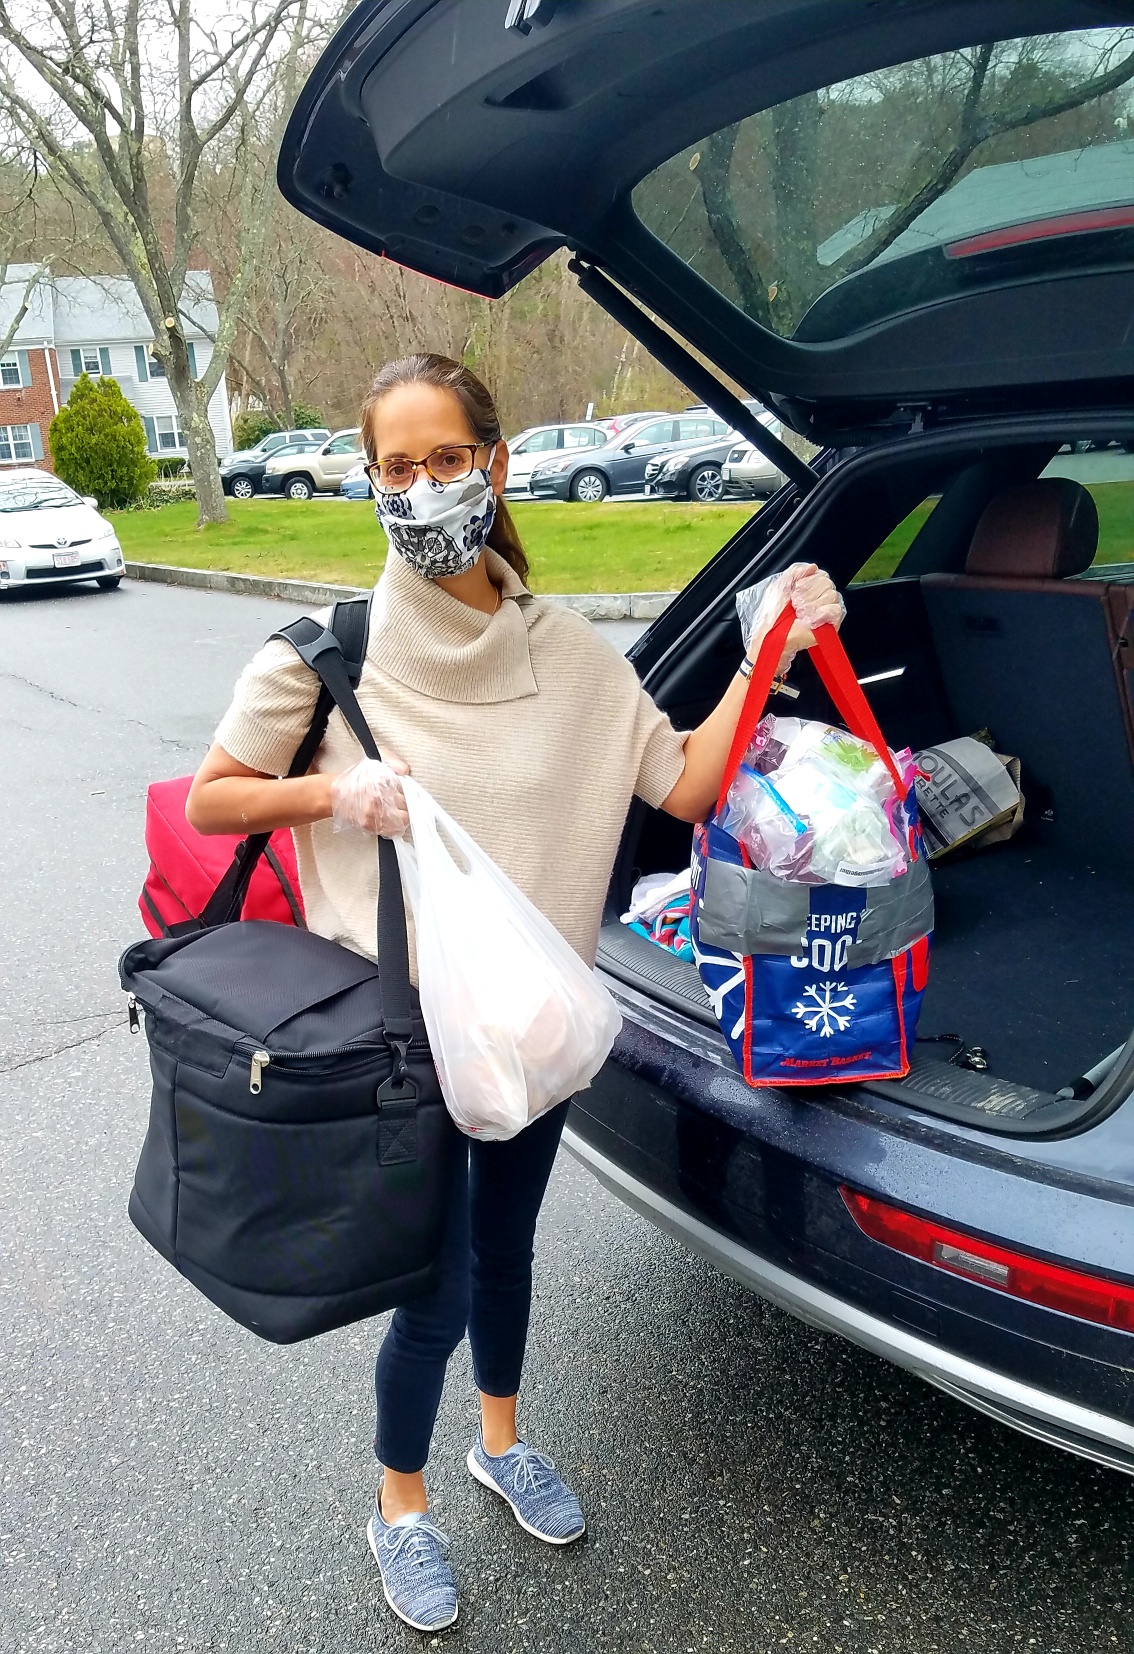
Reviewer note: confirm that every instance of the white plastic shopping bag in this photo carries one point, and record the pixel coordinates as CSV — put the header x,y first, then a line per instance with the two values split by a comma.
x,y
516,1021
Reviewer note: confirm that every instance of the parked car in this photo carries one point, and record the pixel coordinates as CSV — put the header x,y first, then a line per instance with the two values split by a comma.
x,y
539,442
614,423
242,473
50,536
704,472
275,440
972,1221
748,471
619,466
319,471
356,484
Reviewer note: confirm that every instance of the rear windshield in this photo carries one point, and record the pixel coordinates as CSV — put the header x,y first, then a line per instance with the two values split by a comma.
x,y
821,215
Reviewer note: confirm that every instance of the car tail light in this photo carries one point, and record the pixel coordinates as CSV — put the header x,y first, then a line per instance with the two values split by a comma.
x,y
1090,1297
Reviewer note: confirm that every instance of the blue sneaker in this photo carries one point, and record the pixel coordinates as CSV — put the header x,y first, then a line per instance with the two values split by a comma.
x,y
541,1502
416,1578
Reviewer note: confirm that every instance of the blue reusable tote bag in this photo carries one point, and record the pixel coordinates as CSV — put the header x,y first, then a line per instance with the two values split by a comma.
x,y
811,984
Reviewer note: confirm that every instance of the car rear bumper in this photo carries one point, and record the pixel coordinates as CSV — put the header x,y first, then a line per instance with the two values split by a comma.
x,y
1092,1434
26,576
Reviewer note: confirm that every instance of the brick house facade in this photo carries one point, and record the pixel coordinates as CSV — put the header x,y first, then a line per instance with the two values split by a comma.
x,y
29,401
95,325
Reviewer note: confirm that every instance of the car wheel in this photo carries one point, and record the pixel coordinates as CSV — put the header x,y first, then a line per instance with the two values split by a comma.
x,y
590,487
706,485
242,488
298,488
108,582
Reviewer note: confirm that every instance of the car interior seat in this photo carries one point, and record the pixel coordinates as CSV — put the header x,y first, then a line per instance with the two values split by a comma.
x,y
1044,659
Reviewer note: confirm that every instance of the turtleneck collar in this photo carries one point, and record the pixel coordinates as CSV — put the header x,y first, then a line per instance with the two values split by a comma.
x,y
431,642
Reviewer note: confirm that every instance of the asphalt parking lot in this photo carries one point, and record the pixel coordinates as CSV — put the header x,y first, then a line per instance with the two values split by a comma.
x,y
170,1483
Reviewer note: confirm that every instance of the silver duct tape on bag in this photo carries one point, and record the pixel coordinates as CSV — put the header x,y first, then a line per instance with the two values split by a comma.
x,y
747,911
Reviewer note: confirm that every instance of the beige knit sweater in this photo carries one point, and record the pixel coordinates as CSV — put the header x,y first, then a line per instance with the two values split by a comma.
x,y
526,726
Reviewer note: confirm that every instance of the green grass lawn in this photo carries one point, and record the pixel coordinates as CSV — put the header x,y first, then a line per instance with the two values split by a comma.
x,y
613,547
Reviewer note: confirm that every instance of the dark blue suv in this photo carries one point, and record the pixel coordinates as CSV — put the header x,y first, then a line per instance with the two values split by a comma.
x,y
910,233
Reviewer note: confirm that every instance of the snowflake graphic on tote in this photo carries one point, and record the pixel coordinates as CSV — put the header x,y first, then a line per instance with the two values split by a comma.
x,y
830,1008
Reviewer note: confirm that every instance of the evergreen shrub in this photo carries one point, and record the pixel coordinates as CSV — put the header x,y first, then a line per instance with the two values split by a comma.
x,y
98,444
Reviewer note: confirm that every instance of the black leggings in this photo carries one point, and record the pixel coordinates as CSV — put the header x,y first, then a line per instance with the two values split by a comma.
x,y
486,1285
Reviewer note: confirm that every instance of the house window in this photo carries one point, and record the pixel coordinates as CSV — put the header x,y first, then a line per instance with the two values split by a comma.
x,y
168,435
157,369
10,372
15,442
91,359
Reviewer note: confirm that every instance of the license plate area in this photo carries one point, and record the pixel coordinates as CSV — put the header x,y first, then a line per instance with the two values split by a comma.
x,y
66,560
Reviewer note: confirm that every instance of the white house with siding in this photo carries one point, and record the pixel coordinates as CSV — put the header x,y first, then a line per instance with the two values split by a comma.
x,y
96,325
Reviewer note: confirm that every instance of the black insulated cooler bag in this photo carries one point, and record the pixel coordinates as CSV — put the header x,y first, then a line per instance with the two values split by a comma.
x,y
297,1164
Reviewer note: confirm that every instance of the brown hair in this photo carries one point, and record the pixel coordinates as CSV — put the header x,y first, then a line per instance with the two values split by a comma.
x,y
424,367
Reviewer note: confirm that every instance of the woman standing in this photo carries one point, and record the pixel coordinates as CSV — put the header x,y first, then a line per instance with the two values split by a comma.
x,y
535,735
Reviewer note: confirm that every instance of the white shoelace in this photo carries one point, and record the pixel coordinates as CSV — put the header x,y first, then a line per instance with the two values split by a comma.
x,y
531,1470
418,1540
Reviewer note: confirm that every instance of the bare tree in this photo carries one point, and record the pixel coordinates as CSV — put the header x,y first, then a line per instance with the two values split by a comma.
x,y
930,117
285,311
20,277
138,109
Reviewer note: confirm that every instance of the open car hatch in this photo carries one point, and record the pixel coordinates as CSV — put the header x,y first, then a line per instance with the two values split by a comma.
x,y
865,211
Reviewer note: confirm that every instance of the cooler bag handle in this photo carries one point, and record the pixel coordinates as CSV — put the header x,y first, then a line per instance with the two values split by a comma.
x,y
838,676
320,649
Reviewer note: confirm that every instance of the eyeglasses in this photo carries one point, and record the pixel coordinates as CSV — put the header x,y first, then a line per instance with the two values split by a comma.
x,y
450,463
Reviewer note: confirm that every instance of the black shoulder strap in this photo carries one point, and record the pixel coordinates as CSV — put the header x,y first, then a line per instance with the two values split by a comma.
x,y
350,627
336,654
348,633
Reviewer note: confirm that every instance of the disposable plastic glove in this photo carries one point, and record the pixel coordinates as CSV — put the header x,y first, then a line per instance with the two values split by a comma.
x,y
811,593
370,796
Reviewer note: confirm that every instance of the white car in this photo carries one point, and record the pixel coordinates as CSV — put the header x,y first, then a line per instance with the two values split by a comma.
x,y
49,534
745,468
541,442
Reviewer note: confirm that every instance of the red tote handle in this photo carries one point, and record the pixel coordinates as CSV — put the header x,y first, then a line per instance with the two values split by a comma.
x,y
837,673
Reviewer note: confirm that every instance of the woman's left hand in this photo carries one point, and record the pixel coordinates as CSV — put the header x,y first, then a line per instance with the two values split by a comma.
x,y
816,601
811,593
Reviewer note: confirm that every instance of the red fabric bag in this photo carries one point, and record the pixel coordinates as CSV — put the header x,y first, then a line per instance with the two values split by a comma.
x,y
186,867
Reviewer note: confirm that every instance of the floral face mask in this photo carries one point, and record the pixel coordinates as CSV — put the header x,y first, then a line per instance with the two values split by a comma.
x,y
439,528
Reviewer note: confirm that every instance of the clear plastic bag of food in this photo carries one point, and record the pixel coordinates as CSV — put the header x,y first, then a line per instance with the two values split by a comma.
x,y
838,786
516,1021
776,838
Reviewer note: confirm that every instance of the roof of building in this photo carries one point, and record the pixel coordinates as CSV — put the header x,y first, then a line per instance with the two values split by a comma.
x,y
68,310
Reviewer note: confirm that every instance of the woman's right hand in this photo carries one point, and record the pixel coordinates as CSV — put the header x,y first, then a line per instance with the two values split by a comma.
x,y
370,796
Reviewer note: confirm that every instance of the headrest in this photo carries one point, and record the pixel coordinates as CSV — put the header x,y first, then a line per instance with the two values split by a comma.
x,y
1043,530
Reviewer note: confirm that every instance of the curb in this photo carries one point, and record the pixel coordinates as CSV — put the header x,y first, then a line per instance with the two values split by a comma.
x,y
309,593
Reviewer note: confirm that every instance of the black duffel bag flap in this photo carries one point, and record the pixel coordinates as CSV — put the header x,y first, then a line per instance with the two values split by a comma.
x,y
314,991
298,1158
